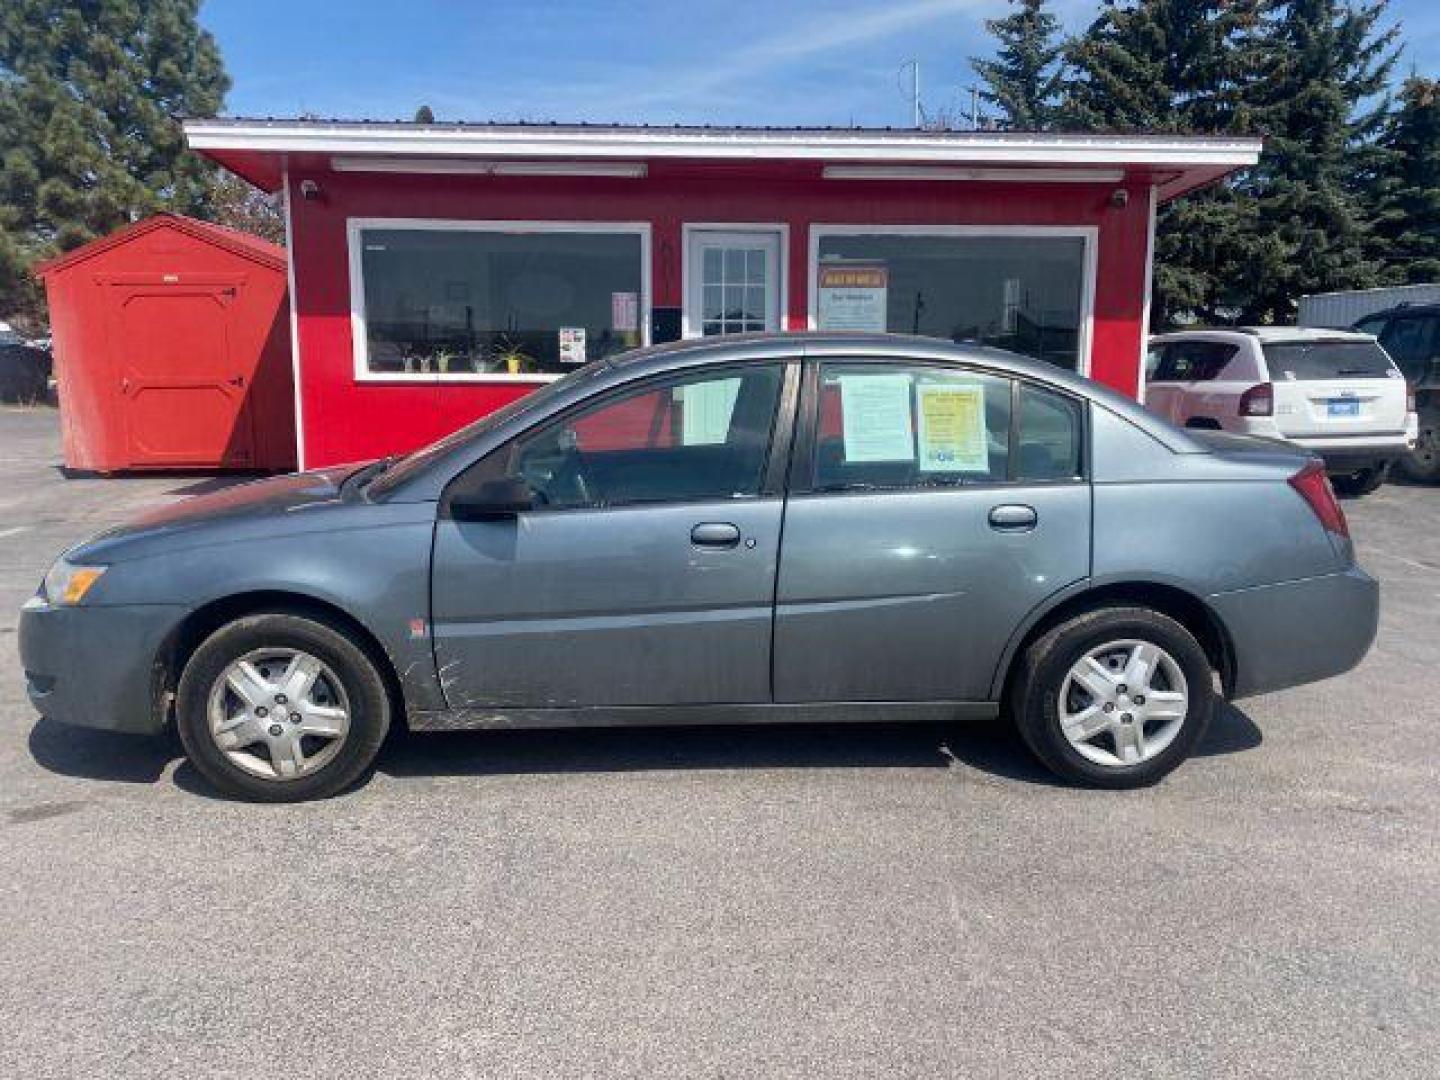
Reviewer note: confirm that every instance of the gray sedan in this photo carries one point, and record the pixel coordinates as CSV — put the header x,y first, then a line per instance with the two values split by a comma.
x,y
750,530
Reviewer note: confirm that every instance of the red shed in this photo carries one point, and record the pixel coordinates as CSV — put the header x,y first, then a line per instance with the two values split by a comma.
x,y
442,270
172,349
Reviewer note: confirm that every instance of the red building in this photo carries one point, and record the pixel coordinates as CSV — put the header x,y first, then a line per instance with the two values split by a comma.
x,y
440,271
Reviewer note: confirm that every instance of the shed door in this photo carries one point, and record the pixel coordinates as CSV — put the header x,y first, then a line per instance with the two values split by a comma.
x,y
182,389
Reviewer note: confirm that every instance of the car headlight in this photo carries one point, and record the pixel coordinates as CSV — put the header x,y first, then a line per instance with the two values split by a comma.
x,y
66,584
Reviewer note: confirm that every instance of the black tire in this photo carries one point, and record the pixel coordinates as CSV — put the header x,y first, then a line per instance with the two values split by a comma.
x,y
363,686
1423,463
1043,669
1361,481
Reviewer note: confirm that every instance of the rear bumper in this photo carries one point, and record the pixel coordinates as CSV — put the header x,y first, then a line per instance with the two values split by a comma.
x,y
1299,631
94,666
1339,451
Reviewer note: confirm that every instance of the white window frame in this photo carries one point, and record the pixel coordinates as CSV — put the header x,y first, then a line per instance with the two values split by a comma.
x,y
360,344
688,231
1090,234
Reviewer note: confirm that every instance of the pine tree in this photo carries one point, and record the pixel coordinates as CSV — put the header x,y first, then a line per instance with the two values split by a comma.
x,y
1023,79
1184,67
1321,101
1407,191
424,115
88,141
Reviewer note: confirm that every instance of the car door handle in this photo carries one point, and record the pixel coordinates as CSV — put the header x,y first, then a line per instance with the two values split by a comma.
x,y
716,534
1013,517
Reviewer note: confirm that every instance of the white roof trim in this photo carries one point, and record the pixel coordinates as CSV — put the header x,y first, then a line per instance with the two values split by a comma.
x,y
719,143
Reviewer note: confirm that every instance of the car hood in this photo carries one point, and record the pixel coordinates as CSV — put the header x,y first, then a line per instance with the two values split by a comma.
x,y
234,512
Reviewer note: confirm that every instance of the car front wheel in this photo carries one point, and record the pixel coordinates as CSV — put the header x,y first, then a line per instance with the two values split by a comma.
x,y
279,708
1115,698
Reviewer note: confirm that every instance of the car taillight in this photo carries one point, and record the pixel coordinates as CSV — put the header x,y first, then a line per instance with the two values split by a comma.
x,y
1409,399
1314,487
1259,400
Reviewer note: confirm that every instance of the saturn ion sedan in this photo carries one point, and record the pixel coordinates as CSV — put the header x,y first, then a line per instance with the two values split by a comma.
x,y
766,529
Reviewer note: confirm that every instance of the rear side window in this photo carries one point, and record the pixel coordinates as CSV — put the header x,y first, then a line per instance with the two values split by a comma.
x,y
1411,342
1309,361
1194,361
897,426
1049,436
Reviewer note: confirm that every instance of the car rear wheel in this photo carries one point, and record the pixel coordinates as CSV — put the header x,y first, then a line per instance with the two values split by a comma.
x,y
280,708
1423,462
1361,481
1114,698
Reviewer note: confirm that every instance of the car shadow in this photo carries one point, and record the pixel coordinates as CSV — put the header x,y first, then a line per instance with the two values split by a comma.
x,y
102,755
992,747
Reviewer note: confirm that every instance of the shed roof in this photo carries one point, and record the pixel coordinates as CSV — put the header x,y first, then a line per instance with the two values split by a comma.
x,y
257,148
241,243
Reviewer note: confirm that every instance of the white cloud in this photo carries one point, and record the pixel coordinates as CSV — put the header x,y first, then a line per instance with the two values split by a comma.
x,y
819,33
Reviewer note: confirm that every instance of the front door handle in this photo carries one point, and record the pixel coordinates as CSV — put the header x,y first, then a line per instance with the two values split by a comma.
x,y
1013,517
715,534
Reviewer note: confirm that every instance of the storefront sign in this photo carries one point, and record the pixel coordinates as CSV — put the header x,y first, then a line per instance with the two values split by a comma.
x,y
624,312
852,296
952,429
572,345
875,415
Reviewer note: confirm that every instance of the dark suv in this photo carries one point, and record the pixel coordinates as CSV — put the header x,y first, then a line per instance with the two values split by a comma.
x,y
1410,333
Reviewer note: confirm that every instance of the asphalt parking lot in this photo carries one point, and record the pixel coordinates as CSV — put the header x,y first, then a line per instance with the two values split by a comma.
x,y
877,900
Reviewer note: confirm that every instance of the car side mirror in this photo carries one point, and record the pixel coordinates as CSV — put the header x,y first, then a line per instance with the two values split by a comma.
x,y
493,500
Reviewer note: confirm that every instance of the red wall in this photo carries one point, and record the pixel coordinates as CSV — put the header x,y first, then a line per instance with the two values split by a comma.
x,y
344,420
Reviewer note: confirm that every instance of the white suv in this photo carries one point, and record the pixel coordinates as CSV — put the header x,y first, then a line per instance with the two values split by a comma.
x,y
1333,392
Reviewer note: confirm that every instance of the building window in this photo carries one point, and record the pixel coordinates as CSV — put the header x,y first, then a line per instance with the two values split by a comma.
x,y
494,301
1026,293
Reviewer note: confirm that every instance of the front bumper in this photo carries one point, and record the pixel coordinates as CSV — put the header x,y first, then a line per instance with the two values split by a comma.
x,y
95,666
1299,631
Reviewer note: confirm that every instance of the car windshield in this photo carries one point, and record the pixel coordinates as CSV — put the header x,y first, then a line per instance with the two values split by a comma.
x,y
404,468
1308,361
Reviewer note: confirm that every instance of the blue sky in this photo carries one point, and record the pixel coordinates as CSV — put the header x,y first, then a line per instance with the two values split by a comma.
x,y
654,61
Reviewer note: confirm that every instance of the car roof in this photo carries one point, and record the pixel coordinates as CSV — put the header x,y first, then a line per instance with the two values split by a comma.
x,y
771,345
1403,309
1265,334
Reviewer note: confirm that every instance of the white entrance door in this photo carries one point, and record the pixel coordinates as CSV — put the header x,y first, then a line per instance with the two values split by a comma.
x,y
733,282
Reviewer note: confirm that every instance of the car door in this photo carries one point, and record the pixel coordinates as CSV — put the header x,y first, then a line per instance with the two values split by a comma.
x,y
646,573
932,508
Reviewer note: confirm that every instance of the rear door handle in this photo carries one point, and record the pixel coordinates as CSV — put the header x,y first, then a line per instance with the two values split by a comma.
x,y
716,534
1013,517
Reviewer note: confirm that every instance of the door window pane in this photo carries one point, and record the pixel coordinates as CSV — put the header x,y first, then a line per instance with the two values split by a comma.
x,y
701,437
441,302
892,426
1410,342
1049,437
1017,293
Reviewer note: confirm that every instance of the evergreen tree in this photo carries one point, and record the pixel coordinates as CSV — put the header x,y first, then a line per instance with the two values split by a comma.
x,y
1321,100
88,94
1407,190
424,115
1023,79
1184,67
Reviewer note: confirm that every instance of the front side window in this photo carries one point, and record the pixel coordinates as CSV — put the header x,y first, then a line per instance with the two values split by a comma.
x,y
1194,361
443,302
700,437
1022,293
903,426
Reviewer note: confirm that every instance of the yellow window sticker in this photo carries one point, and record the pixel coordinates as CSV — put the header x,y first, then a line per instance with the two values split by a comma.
x,y
952,428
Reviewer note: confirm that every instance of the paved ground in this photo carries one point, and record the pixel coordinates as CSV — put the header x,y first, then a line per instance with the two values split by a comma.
x,y
876,901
